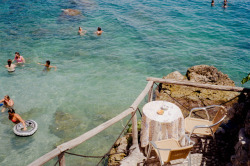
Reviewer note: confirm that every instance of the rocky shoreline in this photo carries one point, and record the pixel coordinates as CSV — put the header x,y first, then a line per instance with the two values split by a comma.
x,y
228,147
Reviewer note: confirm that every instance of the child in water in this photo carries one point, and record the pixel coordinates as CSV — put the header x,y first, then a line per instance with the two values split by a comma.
x,y
47,66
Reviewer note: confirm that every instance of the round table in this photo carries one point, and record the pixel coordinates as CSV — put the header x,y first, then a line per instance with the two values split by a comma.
x,y
157,127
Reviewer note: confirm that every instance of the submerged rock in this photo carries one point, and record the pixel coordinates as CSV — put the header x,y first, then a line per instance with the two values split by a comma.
x,y
71,12
66,126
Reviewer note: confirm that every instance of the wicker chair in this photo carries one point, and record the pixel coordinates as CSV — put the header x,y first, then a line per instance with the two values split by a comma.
x,y
170,149
205,127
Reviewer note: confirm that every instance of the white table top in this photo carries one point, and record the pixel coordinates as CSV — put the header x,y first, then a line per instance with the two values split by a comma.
x,y
171,114
157,127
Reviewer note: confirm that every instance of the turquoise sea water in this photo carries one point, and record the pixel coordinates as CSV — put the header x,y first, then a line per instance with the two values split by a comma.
x,y
100,76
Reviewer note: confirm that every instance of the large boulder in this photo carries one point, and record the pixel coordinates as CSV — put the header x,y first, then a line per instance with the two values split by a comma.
x,y
208,75
189,97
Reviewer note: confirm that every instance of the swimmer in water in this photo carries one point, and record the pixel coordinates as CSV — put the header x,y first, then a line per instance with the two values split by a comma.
x,y
212,3
15,118
10,67
81,32
18,58
99,31
225,4
47,66
7,103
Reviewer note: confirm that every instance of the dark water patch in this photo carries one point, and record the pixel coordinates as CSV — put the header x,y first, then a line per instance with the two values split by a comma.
x,y
32,113
66,126
21,142
2,157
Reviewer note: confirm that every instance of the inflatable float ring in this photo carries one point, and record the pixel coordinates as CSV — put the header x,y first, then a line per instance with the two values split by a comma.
x,y
29,123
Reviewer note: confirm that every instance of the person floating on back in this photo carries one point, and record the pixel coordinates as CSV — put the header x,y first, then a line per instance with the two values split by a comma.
x,y
10,67
99,31
18,58
47,66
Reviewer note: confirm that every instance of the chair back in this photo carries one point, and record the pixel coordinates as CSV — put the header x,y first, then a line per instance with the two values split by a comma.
x,y
180,153
219,117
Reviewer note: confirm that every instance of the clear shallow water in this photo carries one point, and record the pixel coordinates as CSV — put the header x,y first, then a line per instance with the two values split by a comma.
x,y
99,77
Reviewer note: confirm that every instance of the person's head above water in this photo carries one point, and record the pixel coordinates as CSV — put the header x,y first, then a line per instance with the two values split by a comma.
x,y
225,4
17,54
7,97
48,62
99,31
212,3
9,62
11,111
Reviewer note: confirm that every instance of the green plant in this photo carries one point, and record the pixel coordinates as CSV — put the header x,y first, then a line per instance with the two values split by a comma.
x,y
244,80
129,130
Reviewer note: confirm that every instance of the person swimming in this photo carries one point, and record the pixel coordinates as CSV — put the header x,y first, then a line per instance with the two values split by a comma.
x,y
225,4
15,118
7,103
99,31
10,67
47,66
212,3
81,32
18,58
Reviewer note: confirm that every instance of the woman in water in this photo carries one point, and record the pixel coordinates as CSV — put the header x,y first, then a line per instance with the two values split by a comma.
x,y
99,31
47,66
7,102
15,118
81,32
18,58
10,67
